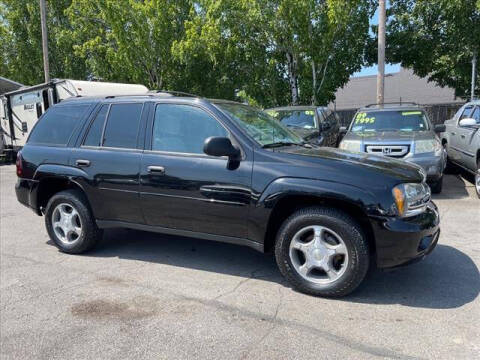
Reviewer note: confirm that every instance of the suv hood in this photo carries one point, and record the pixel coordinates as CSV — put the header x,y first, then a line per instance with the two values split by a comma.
x,y
347,163
389,137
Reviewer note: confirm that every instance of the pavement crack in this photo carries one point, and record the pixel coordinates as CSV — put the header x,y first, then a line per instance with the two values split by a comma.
x,y
273,326
240,283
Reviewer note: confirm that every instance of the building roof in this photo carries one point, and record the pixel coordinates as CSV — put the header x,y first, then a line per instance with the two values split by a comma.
x,y
7,85
403,86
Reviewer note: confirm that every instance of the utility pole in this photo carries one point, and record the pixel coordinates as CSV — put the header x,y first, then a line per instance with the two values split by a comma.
x,y
474,74
43,19
382,19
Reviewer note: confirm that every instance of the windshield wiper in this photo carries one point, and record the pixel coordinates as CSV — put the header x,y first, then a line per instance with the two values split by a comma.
x,y
280,144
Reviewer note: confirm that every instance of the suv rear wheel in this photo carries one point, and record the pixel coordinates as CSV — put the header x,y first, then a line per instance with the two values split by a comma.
x,y
322,251
70,223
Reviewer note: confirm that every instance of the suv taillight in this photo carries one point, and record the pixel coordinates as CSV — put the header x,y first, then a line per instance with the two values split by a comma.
x,y
19,164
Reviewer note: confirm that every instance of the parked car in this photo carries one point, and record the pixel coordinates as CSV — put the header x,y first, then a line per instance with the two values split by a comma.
x,y
223,171
319,125
401,131
461,140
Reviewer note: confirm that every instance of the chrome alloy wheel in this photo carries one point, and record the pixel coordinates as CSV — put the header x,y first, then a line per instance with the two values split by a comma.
x,y
66,223
318,254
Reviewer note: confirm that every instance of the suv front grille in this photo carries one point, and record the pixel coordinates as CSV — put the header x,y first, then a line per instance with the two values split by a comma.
x,y
397,151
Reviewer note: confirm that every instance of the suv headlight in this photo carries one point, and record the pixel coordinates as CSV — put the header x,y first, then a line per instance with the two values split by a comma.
x,y
351,145
426,146
411,198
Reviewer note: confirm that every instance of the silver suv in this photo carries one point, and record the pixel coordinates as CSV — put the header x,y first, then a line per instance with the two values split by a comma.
x,y
461,139
402,131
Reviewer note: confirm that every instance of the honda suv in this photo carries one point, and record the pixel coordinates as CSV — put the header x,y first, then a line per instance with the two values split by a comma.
x,y
223,171
402,131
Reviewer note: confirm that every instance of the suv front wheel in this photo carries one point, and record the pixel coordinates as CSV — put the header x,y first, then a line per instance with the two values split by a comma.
x,y
70,223
322,251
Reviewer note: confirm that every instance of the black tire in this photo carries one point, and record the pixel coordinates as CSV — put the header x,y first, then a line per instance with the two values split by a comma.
x,y
90,234
477,179
436,186
351,234
450,167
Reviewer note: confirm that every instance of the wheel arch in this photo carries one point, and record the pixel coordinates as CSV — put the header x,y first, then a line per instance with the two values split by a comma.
x,y
291,203
52,179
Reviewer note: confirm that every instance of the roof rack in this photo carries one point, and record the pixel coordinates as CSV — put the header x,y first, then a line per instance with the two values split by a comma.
x,y
394,103
175,93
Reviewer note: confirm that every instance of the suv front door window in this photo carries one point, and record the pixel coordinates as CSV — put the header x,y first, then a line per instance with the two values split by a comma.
x,y
183,188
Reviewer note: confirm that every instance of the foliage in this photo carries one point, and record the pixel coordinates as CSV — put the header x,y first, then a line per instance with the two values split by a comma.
x,y
267,52
436,38
22,47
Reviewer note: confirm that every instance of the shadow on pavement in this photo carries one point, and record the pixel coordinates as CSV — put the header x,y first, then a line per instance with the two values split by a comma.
x,y
446,279
454,187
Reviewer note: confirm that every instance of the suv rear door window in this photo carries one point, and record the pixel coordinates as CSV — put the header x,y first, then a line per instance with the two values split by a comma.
x,y
94,136
183,128
57,125
122,126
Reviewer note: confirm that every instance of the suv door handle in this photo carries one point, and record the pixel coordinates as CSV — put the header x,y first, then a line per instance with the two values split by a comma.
x,y
462,136
82,163
452,133
157,170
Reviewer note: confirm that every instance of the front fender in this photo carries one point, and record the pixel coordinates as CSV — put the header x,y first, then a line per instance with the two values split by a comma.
x,y
284,187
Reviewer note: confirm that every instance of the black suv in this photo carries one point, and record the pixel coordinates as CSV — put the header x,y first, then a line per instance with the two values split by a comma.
x,y
223,171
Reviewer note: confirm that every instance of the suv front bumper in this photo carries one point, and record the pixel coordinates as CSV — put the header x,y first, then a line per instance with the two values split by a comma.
x,y
400,241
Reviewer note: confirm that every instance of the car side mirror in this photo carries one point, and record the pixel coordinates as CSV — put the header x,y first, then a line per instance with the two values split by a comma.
x,y
439,128
467,122
220,146
343,130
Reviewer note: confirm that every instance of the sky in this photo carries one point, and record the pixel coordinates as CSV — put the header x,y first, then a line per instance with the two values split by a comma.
x,y
372,70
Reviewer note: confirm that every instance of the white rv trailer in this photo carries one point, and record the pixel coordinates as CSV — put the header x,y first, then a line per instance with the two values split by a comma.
x,y
20,109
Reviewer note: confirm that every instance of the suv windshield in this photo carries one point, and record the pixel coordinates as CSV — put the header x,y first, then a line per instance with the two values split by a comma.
x,y
304,119
259,125
391,120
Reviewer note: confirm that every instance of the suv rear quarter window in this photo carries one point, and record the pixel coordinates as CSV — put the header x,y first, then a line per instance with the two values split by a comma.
x,y
57,124
121,130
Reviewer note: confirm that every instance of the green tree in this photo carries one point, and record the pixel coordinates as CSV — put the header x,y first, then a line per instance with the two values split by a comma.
x,y
21,42
436,38
130,40
283,51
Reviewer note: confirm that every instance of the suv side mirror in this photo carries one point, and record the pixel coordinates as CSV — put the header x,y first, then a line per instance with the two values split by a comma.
x,y
343,130
439,128
467,122
220,146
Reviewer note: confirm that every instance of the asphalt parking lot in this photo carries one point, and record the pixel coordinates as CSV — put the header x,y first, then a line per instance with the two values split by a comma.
x,y
141,295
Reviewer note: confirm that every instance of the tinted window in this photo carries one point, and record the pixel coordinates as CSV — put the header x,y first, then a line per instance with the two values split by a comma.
x,y
466,112
393,120
295,118
57,125
95,132
183,128
122,126
476,114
